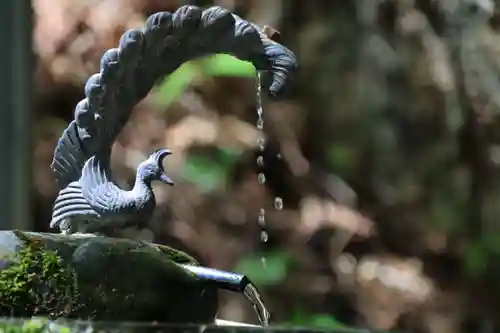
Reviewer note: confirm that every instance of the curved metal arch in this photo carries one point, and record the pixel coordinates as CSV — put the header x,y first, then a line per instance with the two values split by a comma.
x,y
144,56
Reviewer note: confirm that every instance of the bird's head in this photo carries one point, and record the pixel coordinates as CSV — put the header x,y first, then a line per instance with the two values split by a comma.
x,y
152,168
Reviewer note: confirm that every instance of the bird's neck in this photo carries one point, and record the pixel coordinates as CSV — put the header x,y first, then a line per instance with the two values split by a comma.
x,y
142,186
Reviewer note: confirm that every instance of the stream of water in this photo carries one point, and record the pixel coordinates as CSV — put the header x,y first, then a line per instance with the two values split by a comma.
x,y
261,177
253,295
261,141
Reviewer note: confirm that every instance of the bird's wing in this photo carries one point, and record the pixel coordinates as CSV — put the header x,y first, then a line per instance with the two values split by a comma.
x,y
69,156
70,203
99,190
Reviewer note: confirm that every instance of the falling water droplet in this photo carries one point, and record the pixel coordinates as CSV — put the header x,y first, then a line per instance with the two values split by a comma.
x,y
260,161
261,178
264,262
261,142
262,218
260,123
278,156
278,203
260,110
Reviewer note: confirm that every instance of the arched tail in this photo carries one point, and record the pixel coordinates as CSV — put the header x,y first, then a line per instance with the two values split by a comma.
x,y
69,156
143,56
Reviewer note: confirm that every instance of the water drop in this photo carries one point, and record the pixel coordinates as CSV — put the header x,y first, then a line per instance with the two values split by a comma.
x,y
264,262
261,142
261,178
259,93
260,161
262,218
278,203
260,123
264,236
260,111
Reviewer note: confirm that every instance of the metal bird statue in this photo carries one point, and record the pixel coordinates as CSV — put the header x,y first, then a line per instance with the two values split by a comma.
x,y
127,74
95,198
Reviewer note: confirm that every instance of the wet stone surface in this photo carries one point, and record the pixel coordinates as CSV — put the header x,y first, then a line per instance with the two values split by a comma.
x,y
100,278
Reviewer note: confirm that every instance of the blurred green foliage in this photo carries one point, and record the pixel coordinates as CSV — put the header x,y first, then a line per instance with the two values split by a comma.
x,y
265,269
205,170
482,254
38,325
210,171
270,269
214,65
341,158
302,318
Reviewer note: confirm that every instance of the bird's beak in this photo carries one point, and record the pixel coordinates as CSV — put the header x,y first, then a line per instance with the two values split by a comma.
x,y
166,179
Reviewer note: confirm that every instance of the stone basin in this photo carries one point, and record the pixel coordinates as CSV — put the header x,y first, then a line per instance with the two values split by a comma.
x,y
100,278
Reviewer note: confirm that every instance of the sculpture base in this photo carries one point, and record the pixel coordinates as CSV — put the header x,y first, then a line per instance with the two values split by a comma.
x,y
99,278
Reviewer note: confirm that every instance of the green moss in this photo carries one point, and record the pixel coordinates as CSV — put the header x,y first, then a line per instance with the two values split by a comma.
x,y
37,282
42,325
175,255
99,278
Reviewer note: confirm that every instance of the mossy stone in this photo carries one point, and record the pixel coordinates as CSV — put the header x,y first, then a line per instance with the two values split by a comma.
x,y
100,278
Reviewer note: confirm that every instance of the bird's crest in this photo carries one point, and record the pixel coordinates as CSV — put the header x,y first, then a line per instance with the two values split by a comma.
x,y
158,156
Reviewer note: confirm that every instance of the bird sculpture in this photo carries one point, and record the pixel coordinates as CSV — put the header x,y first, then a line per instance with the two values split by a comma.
x,y
96,198
88,197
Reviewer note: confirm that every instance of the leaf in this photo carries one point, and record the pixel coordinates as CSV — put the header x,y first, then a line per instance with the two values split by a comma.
x,y
444,213
300,316
176,83
326,321
274,271
341,158
209,172
476,259
227,65
35,325
204,172
492,241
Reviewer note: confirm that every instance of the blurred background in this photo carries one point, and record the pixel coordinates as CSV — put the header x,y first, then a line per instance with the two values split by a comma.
x,y
380,177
